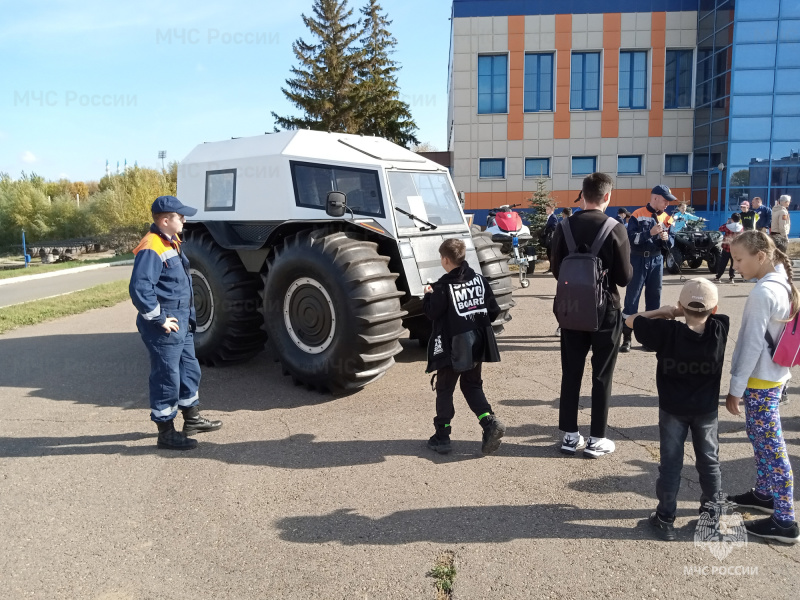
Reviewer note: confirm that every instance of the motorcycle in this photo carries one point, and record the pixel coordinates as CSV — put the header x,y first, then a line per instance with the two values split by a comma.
x,y
507,229
694,245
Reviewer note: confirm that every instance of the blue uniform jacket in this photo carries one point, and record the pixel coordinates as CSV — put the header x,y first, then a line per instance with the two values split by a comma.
x,y
641,222
160,280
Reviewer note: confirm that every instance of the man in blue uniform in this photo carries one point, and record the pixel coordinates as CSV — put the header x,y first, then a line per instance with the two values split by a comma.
x,y
764,215
161,290
650,233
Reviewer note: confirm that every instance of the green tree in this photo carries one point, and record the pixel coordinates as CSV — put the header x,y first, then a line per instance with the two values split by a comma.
x,y
541,199
324,84
381,111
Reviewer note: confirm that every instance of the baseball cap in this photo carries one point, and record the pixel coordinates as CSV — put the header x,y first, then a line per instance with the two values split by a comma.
x,y
698,295
663,190
165,204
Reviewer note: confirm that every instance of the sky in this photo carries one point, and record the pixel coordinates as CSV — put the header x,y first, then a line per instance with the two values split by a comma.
x,y
87,81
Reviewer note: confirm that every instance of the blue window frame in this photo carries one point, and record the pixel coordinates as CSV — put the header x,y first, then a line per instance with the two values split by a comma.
x,y
585,81
676,163
538,82
537,167
633,79
583,165
629,165
492,84
493,168
678,79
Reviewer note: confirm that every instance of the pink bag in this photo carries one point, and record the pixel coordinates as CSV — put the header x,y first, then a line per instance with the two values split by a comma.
x,y
787,351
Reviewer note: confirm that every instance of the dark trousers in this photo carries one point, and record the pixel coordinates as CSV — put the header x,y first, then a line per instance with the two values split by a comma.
x,y
647,275
471,387
174,370
672,430
722,262
575,345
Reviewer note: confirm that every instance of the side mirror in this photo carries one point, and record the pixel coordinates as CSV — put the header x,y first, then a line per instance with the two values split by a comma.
x,y
335,204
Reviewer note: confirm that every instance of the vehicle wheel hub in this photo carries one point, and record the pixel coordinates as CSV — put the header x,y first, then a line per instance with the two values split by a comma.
x,y
309,316
203,301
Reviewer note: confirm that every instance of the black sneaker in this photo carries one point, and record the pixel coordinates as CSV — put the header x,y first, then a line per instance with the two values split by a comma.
x,y
750,500
626,346
493,431
770,529
442,446
665,529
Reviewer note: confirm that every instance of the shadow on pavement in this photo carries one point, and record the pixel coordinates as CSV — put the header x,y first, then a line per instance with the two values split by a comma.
x,y
464,525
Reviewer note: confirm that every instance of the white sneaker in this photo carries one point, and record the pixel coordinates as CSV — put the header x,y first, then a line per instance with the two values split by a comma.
x,y
558,332
597,447
572,442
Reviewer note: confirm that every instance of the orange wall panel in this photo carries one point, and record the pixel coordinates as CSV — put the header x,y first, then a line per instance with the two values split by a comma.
x,y
612,26
561,127
658,36
516,52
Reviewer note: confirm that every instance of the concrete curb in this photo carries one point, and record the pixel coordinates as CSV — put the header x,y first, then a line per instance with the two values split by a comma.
x,y
22,278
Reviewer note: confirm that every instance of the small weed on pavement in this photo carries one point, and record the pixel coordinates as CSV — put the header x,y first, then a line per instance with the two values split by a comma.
x,y
444,573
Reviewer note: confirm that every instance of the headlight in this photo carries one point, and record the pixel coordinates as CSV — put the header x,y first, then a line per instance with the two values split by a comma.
x,y
468,243
406,251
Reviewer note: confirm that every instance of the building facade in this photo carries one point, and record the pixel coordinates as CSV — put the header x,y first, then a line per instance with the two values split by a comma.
x,y
649,91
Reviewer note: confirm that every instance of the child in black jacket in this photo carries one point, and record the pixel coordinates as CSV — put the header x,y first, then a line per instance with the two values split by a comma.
x,y
462,307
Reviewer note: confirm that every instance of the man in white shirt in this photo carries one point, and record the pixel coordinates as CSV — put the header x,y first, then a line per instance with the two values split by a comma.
x,y
781,223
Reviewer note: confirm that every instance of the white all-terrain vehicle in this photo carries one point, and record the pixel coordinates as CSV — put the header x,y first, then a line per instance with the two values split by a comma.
x,y
320,244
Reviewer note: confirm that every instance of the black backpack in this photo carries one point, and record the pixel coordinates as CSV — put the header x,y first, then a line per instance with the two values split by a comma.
x,y
580,302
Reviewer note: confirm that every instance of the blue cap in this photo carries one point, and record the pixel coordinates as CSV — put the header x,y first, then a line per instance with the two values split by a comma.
x,y
166,204
663,190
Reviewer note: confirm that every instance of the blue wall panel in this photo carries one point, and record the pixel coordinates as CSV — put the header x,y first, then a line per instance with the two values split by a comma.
x,y
501,8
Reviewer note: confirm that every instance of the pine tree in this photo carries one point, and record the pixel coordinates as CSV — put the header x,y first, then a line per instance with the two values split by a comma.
x,y
381,111
540,199
324,84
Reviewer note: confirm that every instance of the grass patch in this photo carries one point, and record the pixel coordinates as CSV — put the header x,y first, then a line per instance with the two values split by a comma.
x,y
38,311
444,574
36,269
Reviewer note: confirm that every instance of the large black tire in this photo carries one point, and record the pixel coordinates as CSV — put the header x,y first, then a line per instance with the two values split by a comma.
x,y
494,266
712,259
332,310
695,263
226,301
674,260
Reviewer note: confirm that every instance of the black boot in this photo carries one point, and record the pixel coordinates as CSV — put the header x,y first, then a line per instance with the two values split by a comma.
x,y
493,431
194,422
169,439
440,441
626,339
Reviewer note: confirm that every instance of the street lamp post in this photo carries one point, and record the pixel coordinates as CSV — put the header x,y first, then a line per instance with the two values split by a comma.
x,y
162,154
718,170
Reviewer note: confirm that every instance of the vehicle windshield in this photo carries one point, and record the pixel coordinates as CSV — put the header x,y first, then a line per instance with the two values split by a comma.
x,y
428,196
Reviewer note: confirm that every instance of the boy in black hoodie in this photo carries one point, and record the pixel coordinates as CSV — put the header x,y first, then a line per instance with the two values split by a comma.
x,y
462,307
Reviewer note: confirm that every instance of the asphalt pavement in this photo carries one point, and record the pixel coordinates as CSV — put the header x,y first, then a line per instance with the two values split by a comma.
x,y
303,495
36,289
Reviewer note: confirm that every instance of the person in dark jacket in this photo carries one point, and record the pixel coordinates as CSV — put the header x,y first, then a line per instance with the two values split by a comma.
x,y
749,218
161,291
462,307
549,230
604,343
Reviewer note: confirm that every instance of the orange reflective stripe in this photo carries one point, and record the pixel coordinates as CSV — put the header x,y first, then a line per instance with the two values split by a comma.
x,y
154,242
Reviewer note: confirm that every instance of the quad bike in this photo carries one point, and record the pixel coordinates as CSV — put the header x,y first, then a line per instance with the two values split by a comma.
x,y
694,245
506,228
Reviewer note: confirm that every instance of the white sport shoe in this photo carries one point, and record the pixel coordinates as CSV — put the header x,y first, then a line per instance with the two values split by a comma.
x,y
572,442
558,332
597,447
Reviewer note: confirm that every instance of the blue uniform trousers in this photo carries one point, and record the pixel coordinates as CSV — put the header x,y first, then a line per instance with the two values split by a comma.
x,y
647,273
174,370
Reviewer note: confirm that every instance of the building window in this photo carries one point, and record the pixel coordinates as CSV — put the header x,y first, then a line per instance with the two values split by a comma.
x,y
492,84
676,164
583,165
493,168
585,81
538,82
537,167
629,165
678,82
632,79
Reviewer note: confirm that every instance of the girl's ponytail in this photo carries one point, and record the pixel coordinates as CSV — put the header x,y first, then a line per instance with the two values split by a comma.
x,y
787,264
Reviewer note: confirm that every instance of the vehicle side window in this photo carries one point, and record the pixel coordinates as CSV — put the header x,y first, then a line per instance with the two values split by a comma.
x,y
221,190
313,182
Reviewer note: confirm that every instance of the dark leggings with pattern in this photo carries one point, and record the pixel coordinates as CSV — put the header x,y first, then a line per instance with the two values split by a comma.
x,y
773,471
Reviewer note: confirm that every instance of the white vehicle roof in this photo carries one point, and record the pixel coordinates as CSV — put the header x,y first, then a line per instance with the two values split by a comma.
x,y
312,146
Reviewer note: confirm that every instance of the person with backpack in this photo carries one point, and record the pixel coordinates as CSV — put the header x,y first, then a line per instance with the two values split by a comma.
x,y
591,257
765,349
